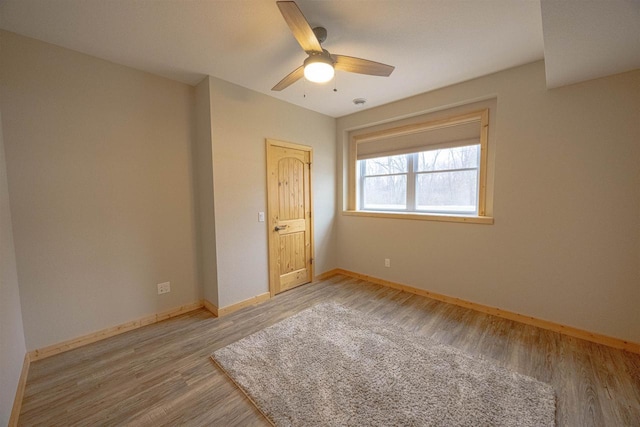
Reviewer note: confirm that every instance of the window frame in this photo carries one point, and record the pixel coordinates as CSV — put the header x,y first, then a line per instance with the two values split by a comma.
x,y
354,198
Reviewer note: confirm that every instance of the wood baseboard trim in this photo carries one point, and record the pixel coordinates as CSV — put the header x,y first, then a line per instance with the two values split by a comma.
x,y
529,320
211,307
22,383
326,275
242,304
112,331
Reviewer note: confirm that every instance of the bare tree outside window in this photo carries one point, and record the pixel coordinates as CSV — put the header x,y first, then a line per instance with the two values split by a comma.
x,y
450,181
385,185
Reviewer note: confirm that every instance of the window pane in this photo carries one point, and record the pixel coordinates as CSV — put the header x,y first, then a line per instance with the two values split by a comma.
x,y
449,158
385,192
453,192
386,165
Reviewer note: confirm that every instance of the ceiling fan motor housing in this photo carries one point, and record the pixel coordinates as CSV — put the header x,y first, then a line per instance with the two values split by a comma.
x,y
323,56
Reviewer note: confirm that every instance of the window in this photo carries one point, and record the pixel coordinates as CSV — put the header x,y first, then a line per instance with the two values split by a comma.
x,y
441,181
428,170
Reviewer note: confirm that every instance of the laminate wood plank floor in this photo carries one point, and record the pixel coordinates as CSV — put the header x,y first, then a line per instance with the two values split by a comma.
x,y
161,374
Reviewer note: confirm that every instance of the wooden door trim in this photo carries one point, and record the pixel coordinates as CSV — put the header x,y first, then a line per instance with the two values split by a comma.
x,y
277,143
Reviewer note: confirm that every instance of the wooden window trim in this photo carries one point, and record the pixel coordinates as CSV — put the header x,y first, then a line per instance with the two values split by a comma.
x,y
481,115
469,219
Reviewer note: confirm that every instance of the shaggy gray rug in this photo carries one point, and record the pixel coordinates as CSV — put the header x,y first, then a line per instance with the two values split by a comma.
x,y
333,366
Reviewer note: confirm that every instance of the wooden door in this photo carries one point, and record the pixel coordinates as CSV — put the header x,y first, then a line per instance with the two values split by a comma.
x,y
289,213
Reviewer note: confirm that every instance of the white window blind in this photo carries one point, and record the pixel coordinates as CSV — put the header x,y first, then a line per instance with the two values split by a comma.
x,y
421,140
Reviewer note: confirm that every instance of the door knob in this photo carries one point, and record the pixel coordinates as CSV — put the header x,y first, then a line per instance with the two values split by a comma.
x,y
280,227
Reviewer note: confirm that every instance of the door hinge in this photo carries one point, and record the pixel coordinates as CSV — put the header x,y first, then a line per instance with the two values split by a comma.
x,y
310,260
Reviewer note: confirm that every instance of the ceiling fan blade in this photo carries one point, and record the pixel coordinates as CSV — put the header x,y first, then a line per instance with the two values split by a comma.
x,y
299,26
291,78
361,66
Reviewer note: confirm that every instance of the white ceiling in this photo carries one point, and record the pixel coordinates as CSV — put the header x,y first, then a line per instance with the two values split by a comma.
x,y
586,39
432,43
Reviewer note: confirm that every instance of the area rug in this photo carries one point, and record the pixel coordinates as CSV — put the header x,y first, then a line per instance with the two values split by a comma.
x,y
334,366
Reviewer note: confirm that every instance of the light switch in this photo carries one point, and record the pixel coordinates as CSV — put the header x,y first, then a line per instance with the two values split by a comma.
x,y
260,216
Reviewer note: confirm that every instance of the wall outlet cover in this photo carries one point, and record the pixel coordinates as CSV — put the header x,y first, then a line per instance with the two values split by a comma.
x,y
164,288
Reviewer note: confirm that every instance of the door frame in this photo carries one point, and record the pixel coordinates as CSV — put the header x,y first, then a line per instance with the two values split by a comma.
x,y
273,274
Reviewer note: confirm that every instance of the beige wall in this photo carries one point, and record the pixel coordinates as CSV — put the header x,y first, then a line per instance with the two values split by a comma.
x,y
565,245
203,163
241,120
12,343
100,179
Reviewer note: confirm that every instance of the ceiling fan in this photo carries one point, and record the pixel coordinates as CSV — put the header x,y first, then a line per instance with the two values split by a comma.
x,y
320,66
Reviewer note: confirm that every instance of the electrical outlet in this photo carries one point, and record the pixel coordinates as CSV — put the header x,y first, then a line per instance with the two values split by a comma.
x,y
260,216
164,288
387,262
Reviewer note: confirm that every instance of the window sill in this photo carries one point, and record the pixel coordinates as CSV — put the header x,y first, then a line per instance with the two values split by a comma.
x,y
422,216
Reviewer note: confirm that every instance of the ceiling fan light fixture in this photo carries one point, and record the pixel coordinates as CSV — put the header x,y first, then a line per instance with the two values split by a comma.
x,y
318,69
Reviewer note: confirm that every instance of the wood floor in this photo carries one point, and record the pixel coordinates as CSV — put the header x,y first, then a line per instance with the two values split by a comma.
x,y
162,375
